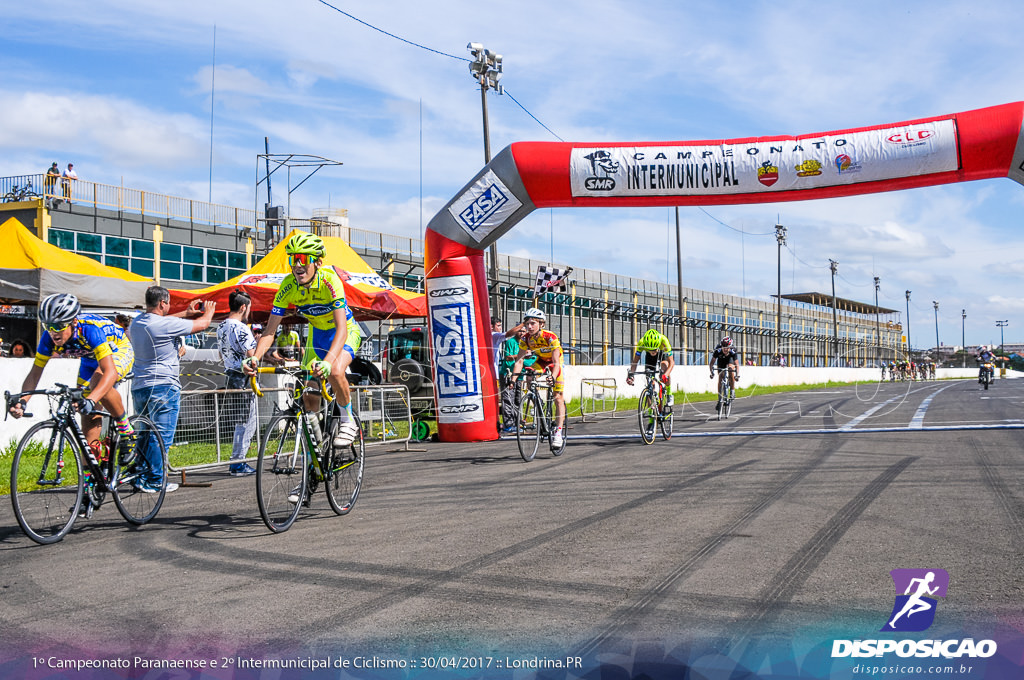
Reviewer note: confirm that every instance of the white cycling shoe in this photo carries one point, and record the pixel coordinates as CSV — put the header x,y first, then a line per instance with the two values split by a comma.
x,y
558,438
346,434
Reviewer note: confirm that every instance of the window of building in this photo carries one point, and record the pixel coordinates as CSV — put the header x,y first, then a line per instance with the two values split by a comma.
x,y
90,243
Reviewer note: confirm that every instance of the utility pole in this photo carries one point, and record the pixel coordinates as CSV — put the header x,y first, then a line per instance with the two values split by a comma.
x,y
963,335
679,289
834,266
878,325
780,237
486,69
908,325
936,304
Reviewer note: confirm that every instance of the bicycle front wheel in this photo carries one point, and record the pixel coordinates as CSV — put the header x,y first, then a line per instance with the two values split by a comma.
x,y
281,472
647,415
137,502
667,421
528,426
343,473
47,482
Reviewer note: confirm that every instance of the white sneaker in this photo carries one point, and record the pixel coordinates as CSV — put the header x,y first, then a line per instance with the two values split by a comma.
x,y
346,434
293,497
171,486
557,439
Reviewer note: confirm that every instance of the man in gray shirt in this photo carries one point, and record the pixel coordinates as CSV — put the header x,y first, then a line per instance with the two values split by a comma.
x,y
156,388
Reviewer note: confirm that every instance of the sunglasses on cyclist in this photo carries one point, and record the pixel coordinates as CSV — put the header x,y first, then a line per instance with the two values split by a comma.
x,y
300,260
55,328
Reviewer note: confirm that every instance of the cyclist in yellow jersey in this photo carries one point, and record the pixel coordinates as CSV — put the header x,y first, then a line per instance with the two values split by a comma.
x,y
316,293
106,355
657,352
545,346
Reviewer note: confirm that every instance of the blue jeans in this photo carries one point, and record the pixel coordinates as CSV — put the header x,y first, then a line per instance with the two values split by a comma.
x,y
159,403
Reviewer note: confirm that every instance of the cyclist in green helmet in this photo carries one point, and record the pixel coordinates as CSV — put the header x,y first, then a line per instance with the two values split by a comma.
x,y
316,292
657,352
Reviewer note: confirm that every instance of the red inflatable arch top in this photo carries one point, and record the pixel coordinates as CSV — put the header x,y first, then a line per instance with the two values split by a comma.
x,y
979,144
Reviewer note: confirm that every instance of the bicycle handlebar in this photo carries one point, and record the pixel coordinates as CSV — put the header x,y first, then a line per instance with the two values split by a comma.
x,y
292,368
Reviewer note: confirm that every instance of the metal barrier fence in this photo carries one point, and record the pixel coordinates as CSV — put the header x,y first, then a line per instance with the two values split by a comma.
x,y
599,397
207,418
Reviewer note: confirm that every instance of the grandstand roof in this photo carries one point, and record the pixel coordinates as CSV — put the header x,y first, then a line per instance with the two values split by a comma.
x,y
825,300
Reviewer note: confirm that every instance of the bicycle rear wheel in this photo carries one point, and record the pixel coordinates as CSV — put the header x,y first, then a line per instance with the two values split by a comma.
x,y
136,502
47,482
281,472
343,471
528,425
647,416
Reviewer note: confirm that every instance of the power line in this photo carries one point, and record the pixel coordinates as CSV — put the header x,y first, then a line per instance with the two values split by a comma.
x,y
431,49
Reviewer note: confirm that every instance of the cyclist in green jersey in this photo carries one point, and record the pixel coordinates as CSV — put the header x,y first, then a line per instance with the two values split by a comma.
x,y
316,292
657,352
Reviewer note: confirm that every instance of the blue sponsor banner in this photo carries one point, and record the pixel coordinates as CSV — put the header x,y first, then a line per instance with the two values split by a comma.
x,y
454,345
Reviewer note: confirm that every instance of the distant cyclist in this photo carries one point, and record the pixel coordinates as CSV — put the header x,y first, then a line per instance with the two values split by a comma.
x,y
316,292
657,353
725,356
106,355
985,356
545,346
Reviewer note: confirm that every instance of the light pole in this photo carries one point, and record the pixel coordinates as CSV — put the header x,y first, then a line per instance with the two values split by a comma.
x,y
936,305
963,335
486,70
834,266
1002,324
780,237
878,326
908,324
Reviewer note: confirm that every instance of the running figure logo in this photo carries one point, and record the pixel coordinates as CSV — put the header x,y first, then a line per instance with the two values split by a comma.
x,y
914,610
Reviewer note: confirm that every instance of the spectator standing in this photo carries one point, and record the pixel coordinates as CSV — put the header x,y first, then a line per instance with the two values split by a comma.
x,y
236,342
509,393
156,388
69,176
50,181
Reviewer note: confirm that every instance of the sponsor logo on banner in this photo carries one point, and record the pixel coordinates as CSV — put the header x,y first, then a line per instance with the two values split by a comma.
x,y
484,206
768,173
601,162
914,611
454,344
809,168
845,164
756,167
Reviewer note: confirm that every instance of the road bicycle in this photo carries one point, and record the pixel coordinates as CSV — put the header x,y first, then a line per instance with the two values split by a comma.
x,y
295,459
18,193
726,395
535,415
57,477
653,409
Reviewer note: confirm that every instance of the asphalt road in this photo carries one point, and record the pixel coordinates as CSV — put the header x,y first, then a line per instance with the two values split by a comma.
x,y
776,527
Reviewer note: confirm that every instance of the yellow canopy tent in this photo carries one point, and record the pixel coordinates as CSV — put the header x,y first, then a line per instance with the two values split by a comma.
x,y
31,269
369,296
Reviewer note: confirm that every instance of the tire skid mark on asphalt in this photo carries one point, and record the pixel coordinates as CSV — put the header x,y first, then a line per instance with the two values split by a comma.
x,y
798,569
1011,505
629,615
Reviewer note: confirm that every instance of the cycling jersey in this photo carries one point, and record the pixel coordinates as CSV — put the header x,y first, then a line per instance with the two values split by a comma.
x,y
661,344
725,356
317,303
543,346
92,339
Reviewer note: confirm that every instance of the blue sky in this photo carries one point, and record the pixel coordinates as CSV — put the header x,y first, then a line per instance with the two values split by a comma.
x,y
123,90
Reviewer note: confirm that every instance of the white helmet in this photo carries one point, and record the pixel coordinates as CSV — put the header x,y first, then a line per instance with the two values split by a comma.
x,y
534,313
59,309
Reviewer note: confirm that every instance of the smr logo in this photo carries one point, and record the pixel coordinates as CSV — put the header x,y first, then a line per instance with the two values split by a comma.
x,y
483,207
601,160
914,610
460,408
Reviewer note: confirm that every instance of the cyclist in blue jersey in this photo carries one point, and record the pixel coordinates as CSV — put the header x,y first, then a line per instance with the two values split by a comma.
x,y
106,355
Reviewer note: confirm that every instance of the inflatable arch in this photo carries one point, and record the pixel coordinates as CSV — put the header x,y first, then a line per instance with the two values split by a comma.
x,y
973,145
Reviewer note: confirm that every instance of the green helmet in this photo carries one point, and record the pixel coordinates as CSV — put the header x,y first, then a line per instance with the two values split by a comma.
x,y
304,242
651,340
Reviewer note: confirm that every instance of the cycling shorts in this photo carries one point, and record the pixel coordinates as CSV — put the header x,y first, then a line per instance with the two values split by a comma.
x,y
319,343
124,362
558,386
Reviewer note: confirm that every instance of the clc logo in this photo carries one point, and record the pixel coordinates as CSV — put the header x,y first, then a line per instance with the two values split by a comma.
x,y
914,609
909,137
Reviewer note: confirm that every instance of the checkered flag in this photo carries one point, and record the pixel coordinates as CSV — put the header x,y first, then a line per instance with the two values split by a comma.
x,y
551,280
